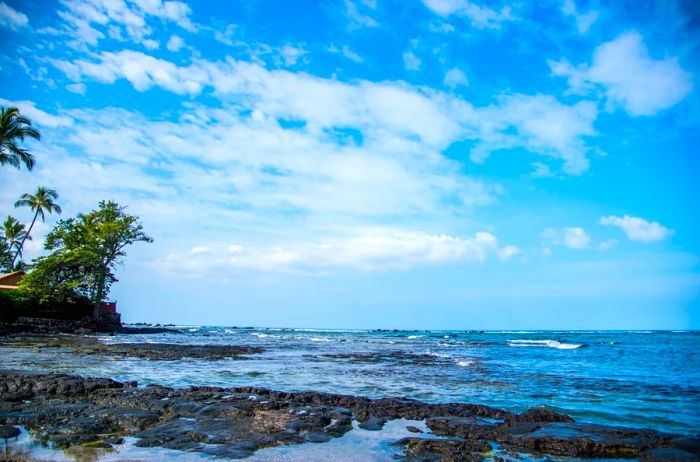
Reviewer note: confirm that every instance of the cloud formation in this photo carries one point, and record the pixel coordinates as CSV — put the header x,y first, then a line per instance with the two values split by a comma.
x,y
11,18
629,77
638,229
371,250
538,123
573,237
480,17
89,21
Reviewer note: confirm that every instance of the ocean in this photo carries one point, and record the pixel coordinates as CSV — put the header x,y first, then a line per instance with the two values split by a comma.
x,y
631,378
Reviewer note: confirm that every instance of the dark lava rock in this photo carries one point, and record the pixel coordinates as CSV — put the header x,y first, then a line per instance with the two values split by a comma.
x,y
234,422
667,455
413,429
8,431
447,450
689,444
383,357
590,441
373,424
466,427
537,415
154,351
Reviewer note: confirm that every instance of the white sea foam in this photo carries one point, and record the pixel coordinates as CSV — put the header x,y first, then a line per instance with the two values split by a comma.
x,y
438,355
259,335
411,337
465,362
544,343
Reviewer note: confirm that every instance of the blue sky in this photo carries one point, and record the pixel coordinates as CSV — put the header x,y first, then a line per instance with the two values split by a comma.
x,y
375,163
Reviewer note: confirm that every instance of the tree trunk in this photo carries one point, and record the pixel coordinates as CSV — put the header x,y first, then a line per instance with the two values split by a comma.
x,y
21,246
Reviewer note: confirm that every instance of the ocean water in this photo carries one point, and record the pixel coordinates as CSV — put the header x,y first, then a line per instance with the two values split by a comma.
x,y
632,378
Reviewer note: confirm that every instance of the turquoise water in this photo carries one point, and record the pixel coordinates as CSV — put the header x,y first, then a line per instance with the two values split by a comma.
x,y
640,379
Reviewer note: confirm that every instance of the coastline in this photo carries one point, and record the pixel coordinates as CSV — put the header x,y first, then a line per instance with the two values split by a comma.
x,y
65,411
88,410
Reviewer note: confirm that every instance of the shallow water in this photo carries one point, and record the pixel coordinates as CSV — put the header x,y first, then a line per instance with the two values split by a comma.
x,y
640,379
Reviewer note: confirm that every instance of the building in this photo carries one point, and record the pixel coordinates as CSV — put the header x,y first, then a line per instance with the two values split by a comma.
x,y
10,281
107,312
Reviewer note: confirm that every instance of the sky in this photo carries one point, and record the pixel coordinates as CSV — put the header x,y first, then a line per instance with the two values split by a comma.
x,y
417,164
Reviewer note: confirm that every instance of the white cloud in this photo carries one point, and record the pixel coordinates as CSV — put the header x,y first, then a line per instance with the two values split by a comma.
x,y
411,61
638,229
247,176
87,21
584,21
629,76
358,19
455,78
291,54
175,43
351,55
36,115
371,250
151,44
538,123
78,88
142,71
481,17
574,238
541,170
11,18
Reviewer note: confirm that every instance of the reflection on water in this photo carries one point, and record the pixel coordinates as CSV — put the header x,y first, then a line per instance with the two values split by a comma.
x,y
357,444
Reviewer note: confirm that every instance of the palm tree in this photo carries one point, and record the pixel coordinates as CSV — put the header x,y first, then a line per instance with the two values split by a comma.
x,y
42,200
14,128
14,234
5,257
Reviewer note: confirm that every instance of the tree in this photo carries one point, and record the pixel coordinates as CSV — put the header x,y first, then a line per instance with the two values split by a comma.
x,y
14,129
61,277
5,257
13,235
42,200
93,245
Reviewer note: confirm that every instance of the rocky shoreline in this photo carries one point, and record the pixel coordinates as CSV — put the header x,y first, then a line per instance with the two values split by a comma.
x,y
155,351
66,410
43,326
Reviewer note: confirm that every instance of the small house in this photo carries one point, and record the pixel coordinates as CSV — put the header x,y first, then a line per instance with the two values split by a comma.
x,y
10,281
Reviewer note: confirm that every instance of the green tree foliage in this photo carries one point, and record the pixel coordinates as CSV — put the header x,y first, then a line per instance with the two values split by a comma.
x,y
14,129
5,257
85,252
12,235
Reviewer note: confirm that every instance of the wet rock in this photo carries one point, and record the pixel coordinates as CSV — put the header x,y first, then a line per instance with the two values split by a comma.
x,y
689,444
8,431
447,450
467,427
590,441
235,422
667,455
373,424
382,357
154,351
127,420
114,440
413,429
537,415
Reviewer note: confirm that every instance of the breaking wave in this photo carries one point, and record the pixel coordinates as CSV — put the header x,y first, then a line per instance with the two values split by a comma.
x,y
545,343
